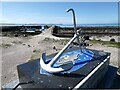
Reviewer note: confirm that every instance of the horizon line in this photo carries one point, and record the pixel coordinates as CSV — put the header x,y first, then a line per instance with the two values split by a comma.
x,y
58,23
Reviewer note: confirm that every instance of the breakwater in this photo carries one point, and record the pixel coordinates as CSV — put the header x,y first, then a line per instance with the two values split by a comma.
x,y
69,31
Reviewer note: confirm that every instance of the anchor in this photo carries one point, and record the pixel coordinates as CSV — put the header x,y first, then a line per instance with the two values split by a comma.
x,y
67,65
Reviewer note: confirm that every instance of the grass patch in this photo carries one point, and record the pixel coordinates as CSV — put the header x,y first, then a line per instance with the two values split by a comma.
x,y
108,43
64,41
6,45
60,41
36,51
17,42
35,55
51,40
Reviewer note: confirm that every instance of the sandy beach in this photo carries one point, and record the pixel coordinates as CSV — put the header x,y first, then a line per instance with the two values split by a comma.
x,y
18,50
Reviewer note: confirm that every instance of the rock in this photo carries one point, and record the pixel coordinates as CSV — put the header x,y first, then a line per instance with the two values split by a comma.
x,y
99,39
54,48
112,39
29,46
75,43
23,44
24,35
91,45
87,44
16,35
86,37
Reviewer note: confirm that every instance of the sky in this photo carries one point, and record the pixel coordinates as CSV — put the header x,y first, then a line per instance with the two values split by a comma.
x,y
55,12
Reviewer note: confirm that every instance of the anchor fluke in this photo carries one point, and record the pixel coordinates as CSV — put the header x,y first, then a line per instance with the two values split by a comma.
x,y
65,66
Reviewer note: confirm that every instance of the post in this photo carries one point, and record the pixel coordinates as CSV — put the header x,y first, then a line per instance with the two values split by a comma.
x,y
118,37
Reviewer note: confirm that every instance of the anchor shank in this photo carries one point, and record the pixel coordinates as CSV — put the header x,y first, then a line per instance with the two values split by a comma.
x,y
75,29
52,62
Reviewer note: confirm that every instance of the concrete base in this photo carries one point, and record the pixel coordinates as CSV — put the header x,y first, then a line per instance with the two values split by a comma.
x,y
88,76
110,80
